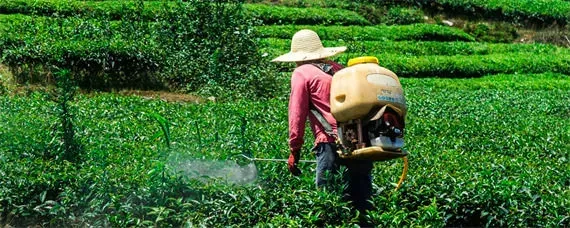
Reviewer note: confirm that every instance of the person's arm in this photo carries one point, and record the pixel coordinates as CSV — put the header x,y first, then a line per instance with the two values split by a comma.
x,y
298,111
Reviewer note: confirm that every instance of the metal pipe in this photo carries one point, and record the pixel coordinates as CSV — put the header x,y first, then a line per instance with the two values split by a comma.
x,y
276,160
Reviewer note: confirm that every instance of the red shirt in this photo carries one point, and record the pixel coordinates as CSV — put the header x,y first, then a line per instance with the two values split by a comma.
x,y
310,85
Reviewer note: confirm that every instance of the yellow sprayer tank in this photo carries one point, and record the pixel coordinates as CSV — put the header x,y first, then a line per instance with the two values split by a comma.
x,y
362,86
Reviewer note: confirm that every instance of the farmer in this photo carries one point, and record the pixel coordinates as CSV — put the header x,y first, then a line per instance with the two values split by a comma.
x,y
310,89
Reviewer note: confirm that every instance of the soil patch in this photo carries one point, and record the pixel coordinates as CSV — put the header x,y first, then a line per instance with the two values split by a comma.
x,y
165,96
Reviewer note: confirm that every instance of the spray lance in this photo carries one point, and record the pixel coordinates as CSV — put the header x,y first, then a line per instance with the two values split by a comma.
x,y
250,159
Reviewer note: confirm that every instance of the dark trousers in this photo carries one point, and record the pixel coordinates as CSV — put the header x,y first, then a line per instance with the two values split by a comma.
x,y
357,175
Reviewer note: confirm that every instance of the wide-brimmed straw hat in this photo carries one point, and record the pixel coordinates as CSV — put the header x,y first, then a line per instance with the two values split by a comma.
x,y
306,45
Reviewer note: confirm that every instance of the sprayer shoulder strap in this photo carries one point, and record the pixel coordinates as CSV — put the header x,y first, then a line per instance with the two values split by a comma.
x,y
323,121
328,69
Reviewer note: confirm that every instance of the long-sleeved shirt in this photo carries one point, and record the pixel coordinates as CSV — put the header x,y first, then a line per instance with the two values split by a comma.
x,y
310,87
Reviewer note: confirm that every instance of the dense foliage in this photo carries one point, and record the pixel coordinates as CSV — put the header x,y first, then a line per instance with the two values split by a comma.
x,y
348,33
487,127
530,12
483,152
421,48
151,10
177,51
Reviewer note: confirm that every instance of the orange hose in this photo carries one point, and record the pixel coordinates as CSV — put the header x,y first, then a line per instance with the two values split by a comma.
x,y
404,173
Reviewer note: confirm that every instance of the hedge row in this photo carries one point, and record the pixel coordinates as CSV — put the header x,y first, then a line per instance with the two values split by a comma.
x,y
110,9
304,16
116,10
139,57
179,52
99,64
419,48
475,65
524,11
462,66
119,61
424,32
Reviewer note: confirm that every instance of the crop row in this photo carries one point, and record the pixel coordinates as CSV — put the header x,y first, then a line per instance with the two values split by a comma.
x,y
119,56
419,48
359,33
475,65
426,32
482,153
462,66
105,54
88,46
533,11
150,10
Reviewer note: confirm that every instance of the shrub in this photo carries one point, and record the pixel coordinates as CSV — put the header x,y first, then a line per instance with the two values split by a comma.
x,y
275,47
99,56
150,10
528,12
403,16
178,51
304,16
464,170
494,33
212,58
423,32
475,65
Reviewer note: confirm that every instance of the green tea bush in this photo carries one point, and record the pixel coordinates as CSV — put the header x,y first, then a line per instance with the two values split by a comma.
x,y
304,16
449,59
376,12
474,65
216,58
423,32
67,146
178,51
117,10
529,12
275,47
112,10
403,16
482,153
99,55
496,33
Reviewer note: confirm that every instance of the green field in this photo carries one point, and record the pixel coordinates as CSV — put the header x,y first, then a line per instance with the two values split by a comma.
x,y
487,126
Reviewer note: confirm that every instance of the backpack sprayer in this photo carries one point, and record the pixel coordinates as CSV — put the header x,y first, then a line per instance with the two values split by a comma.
x,y
368,103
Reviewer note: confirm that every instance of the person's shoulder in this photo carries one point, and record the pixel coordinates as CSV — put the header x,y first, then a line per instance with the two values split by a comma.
x,y
304,69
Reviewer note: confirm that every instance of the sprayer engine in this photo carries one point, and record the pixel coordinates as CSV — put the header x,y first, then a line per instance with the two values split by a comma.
x,y
387,132
369,105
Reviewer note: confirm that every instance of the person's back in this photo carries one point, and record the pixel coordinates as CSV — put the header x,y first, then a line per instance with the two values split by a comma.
x,y
310,89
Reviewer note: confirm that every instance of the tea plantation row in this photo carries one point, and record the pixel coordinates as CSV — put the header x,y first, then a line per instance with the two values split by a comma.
x,y
150,10
422,48
536,11
489,151
93,46
544,12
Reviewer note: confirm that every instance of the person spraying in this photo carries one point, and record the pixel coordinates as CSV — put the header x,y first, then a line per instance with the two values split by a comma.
x,y
310,99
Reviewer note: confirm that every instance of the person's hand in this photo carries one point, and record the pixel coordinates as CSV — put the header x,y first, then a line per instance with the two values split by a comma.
x,y
292,163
